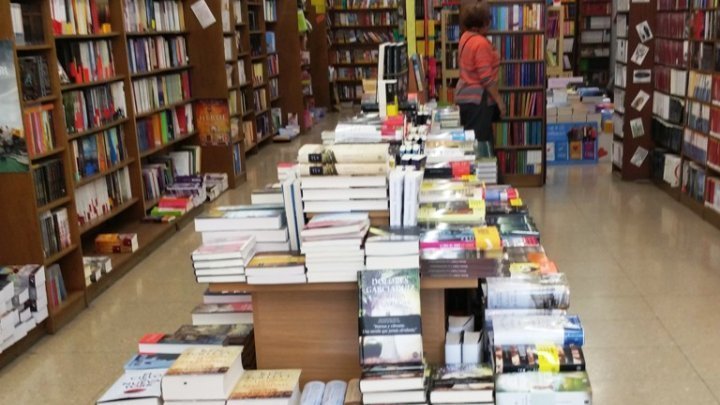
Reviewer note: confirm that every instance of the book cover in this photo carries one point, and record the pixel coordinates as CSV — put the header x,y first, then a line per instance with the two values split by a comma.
x,y
390,323
270,260
145,361
546,358
205,361
213,121
13,147
266,384
135,385
573,388
453,374
223,308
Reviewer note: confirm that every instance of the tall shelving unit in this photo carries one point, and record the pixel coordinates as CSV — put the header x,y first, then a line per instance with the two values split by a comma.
x,y
555,40
632,138
259,73
294,83
355,60
569,31
593,52
671,74
449,42
520,136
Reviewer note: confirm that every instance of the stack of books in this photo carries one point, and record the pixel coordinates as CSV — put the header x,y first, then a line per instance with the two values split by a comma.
x,y
333,247
462,384
393,249
232,313
226,223
215,184
344,177
465,252
95,268
223,262
391,346
276,268
270,194
23,302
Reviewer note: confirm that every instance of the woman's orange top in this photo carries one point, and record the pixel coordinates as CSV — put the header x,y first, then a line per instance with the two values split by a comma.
x,y
479,64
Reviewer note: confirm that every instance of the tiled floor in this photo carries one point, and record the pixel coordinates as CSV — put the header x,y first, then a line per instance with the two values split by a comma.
x,y
644,274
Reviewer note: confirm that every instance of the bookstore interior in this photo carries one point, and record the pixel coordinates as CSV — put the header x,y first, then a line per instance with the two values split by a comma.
x,y
391,259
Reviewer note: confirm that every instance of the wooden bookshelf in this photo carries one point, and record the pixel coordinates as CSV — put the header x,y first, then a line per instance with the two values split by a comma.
x,y
449,72
593,57
625,113
25,243
358,22
520,163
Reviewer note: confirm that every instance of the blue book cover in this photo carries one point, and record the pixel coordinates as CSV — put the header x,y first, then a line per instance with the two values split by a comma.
x,y
151,361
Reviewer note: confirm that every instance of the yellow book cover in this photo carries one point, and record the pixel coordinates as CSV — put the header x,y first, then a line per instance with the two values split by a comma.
x,y
276,260
213,122
487,238
431,48
205,360
431,29
265,384
421,47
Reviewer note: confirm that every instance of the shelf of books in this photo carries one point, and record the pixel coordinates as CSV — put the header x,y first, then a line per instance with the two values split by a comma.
x,y
593,52
671,79
520,135
102,123
569,30
686,161
355,30
449,41
262,55
634,90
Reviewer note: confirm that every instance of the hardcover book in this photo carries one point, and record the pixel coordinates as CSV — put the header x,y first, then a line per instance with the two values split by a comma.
x,y
390,323
213,122
203,374
135,386
257,385
457,383
144,361
522,388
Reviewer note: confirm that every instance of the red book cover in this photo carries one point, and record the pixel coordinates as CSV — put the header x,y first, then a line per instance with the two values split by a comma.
x,y
151,338
182,120
213,121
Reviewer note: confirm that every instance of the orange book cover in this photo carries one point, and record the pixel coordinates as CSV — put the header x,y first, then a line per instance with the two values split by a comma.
x,y
213,121
157,133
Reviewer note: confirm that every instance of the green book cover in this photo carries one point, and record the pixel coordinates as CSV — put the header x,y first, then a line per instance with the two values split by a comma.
x,y
164,128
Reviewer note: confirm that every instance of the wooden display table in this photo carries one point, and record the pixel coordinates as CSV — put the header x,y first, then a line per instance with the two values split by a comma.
x,y
314,327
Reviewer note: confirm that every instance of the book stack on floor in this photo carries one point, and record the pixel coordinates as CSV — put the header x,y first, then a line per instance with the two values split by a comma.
x,y
344,177
223,262
227,223
392,249
391,346
23,302
333,247
95,268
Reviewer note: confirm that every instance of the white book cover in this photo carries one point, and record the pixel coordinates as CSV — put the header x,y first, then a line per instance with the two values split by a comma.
x,y
136,385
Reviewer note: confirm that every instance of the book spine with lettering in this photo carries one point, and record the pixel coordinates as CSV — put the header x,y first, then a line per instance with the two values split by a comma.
x,y
93,107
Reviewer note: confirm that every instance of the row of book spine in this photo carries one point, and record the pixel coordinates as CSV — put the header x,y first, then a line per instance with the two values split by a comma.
x,y
94,107
39,133
520,46
154,15
148,54
524,104
98,152
273,65
518,133
165,126
380,18
517,17
55,231
97,198
156,92
49,181
34,77
520,162
87,61
522,74
82,17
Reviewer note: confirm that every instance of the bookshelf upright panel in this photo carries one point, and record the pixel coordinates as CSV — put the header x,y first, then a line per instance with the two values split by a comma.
x,y
634,89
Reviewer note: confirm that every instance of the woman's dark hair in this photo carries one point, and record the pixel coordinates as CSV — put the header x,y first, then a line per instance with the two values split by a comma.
x,y
476,15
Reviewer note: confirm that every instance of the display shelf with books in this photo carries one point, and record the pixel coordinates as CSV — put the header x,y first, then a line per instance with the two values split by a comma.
x,y
671,90
635,97
522,76
218,75
365,26
593,48
449,41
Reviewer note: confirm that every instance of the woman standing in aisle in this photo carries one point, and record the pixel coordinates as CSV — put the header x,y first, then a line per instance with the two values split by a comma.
x,y
477,92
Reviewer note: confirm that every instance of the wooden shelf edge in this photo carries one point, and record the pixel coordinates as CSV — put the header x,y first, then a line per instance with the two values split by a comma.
x,y
67,311
426,283
173,69
96,83
167,145
96,130
54,204
59,255
164,108
112,169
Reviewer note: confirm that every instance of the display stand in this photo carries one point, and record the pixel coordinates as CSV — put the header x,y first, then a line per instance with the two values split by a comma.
x,y
314,327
